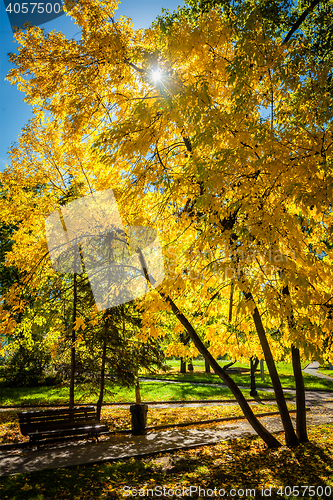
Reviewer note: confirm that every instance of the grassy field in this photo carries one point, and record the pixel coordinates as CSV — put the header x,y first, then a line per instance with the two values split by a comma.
x,y
284,369
150,391
239,464
326,371
159,391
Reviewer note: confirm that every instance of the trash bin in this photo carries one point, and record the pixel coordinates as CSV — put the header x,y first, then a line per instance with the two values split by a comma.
x,y
139,419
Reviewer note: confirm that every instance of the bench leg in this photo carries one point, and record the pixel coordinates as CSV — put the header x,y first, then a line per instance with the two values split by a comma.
x,y
33,443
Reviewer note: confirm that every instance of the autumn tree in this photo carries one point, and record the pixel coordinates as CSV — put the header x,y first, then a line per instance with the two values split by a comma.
x,y
174,119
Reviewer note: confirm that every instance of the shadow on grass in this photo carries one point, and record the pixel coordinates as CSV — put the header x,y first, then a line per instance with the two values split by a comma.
x,y
288,380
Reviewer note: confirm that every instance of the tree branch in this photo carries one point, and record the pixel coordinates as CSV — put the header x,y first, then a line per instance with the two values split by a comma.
x,y
299,21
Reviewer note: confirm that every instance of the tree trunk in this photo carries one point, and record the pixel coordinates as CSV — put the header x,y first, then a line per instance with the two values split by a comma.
x,y
269,439
300,397
299,381
253,363
185,340
262,370
102,382
190,366
182,366
207,367
231,302
137,390
72,379
291,438
107,320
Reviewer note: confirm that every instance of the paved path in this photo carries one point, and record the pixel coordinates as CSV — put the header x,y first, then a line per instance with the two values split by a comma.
x,y
113,449
118,447
312,368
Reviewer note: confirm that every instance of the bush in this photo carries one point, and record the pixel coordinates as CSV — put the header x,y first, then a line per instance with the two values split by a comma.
x,y
26,367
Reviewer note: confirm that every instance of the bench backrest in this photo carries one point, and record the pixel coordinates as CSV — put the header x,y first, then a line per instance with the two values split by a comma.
x,y
37,421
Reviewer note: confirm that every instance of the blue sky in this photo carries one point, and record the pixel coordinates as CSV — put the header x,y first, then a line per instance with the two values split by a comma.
x,y
14,113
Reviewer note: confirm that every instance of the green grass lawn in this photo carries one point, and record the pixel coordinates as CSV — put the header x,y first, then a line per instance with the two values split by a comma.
x,y
157,391
326,371
240,464
150,391
284,369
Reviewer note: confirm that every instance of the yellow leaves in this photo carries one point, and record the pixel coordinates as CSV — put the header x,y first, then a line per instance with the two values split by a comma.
x,y
8,327
79,323
181,154
95,320
154,332
4,315
180,350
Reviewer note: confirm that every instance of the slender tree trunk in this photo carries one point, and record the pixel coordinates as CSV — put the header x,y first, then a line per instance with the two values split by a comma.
x,y
207,367
190,366
185,340
300,396
72,379
102,382
291,437
262,370
137,389
299,381
253,363
182,366
231,301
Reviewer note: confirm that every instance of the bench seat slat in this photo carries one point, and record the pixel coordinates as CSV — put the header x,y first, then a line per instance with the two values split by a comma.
x,y
49,418
53,411
56,422
45,426
66,432
58,419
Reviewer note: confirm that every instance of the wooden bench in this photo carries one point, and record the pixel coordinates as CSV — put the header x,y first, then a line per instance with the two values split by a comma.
x,y
51,425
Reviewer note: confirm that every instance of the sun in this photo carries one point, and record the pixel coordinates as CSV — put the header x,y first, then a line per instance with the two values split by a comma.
x,y
156,75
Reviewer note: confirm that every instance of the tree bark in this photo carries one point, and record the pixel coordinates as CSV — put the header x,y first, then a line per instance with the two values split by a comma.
x,y
207,367
137,389
291,437
262,370
299,381
182,366
185,340
300,396
102,381
231,301
72,379
253,364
